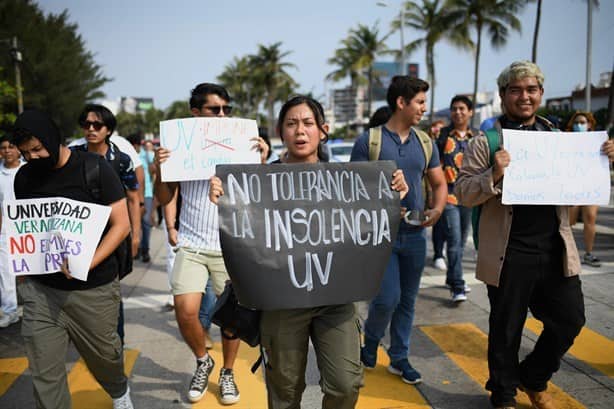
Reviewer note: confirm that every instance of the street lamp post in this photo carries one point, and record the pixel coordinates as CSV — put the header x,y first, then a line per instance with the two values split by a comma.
x,y
16,55
402,24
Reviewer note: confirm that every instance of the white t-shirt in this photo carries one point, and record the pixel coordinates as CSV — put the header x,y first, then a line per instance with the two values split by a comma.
x,y
7,190
123,145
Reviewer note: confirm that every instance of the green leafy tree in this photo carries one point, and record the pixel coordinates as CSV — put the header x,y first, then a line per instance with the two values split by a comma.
x,y
59,74
269,67
7,97
128,124
355,58
178,109
241,81
151,119
432,19
495,16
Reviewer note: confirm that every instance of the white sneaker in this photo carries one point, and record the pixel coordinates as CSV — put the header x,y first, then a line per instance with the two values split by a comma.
x,y
124,401
8,319
459,297
440,264
229,393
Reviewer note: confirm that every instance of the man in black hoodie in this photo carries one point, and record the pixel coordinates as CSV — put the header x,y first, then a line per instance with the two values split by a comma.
x,y
56,306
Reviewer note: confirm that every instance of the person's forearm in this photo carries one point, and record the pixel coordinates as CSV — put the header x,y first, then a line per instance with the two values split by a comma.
x,y
134,210
170,212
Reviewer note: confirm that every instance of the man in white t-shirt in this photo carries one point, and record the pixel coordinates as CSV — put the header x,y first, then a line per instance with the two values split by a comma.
x,y
8,169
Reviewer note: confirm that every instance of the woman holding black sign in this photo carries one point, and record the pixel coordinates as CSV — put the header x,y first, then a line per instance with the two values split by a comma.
x,y
334,329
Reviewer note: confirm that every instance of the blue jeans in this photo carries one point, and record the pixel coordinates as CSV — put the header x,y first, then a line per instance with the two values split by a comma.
x,y
395,302
439,238
146,226
457,220
206,306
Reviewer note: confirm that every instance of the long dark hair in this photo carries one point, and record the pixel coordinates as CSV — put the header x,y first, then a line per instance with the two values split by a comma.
x,y
318,113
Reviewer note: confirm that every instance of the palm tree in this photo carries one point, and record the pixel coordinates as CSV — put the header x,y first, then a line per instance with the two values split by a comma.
x,y
269,69
239,79
177,109
356,56
436,24
538,18
497,16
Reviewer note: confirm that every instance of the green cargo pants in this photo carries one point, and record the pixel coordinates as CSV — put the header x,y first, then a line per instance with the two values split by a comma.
x,y
335,334
89,319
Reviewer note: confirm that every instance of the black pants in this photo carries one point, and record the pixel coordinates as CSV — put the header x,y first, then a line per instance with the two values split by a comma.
x,y
535,282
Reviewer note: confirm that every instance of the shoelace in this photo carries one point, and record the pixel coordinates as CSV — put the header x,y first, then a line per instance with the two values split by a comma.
x,y
200,377
227,385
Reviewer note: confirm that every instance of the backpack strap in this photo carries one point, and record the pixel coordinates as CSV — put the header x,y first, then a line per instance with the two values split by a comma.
x,y
91,170
375,142
427,147
492,137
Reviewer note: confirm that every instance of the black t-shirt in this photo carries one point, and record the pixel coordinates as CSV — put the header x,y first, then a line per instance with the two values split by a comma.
x,y
69,182
535,228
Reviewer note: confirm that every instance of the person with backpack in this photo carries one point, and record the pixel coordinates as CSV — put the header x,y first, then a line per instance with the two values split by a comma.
x,y
98,123
527,255
456,219
57,307
413,151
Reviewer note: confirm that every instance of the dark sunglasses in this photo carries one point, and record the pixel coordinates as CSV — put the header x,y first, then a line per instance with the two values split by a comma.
x,y
216,109
96,124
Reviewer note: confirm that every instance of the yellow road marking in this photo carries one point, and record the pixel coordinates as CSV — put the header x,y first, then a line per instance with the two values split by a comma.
x,y
10,370
467,347
590,347
251,386
85,391
385,390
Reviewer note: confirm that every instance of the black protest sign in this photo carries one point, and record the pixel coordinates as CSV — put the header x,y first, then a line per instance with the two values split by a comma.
x,y
306,235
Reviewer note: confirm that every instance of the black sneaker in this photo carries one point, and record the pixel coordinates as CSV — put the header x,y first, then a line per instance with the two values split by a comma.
x,y
229,393
591,260
146,258
200,380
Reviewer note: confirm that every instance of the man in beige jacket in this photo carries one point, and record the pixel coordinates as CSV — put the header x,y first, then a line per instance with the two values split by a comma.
x,y
527,255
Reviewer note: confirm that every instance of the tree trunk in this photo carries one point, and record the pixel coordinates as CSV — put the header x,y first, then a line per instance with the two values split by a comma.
x,y
431,77
475,74
369,90
536,32
270,105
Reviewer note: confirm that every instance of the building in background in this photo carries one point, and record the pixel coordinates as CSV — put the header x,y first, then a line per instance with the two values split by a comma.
x,y
576,101
133,105
348,106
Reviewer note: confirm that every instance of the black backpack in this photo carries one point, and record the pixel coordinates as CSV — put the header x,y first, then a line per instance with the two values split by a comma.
x,y
91,169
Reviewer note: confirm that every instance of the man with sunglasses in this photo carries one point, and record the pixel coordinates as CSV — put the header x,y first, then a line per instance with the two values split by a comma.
x,y
199,254
98,123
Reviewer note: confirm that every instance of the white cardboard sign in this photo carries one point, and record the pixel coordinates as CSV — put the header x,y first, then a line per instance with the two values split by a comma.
x,y
557,168
199,144
42,233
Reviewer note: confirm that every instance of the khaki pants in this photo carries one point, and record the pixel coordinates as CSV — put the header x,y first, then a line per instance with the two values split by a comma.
x,y
335,334
89,319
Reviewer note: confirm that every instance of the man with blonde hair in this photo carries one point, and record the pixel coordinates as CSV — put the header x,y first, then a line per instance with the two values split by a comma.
x,y
527,255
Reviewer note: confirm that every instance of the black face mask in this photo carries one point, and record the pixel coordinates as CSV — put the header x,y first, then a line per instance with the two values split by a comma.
x,y
42,164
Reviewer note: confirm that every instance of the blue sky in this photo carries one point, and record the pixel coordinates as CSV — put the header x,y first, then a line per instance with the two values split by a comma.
x,y
161,49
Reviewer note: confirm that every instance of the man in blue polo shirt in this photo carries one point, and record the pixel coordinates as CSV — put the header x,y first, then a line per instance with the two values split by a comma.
x,y
395,302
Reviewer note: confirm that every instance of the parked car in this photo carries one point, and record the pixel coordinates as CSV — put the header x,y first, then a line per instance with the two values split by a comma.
x,y
341,151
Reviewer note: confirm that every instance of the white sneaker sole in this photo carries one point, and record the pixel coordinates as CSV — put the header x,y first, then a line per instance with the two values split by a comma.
x,y
196,398
395,371
231,400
